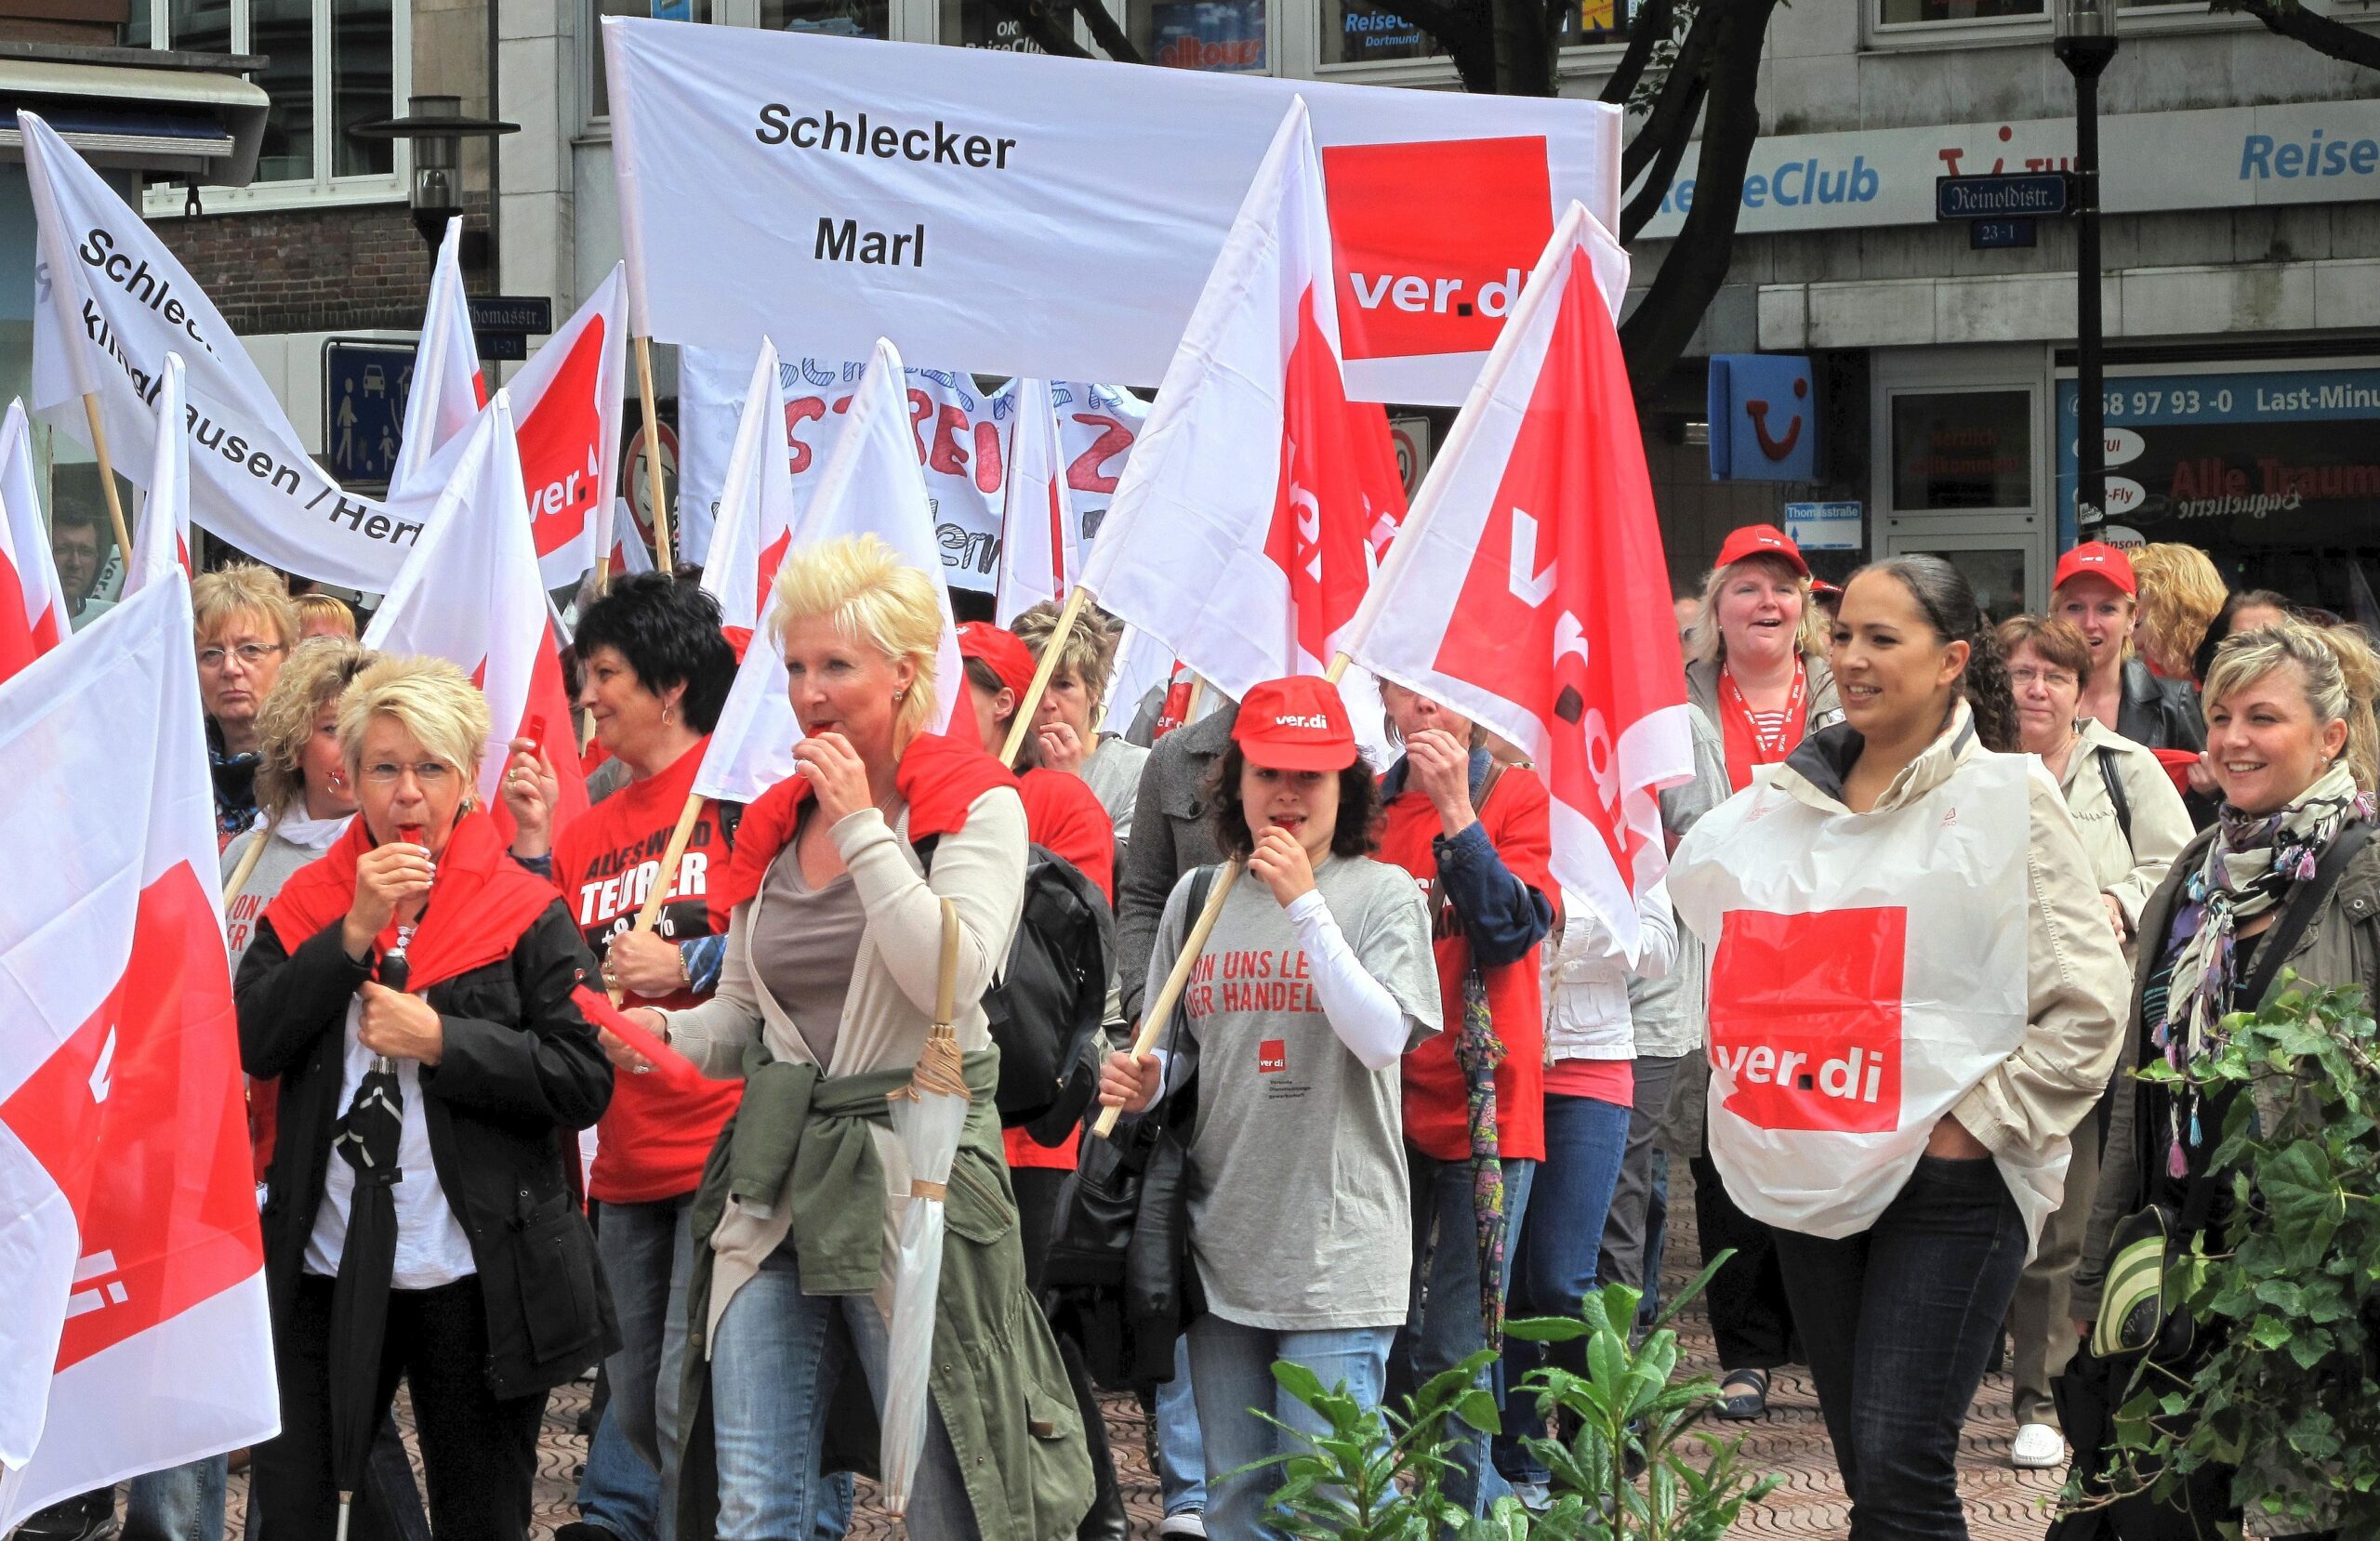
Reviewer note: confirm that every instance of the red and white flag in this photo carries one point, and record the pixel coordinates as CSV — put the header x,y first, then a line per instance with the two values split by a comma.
x,y
629,554
447,389
1258,498
137,1336
754,527
471,592
163,543
1529,590
33,602
872,484
1040,542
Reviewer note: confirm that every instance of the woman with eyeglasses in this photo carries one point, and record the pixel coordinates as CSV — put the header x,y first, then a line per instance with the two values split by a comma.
x,y
416,962
247,626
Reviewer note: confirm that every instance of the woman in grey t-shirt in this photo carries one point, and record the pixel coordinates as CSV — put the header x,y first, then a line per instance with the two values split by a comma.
x,y
1316,980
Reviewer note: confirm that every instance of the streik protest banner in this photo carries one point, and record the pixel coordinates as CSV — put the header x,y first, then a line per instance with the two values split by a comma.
x,y
963,439
1018,214
111,301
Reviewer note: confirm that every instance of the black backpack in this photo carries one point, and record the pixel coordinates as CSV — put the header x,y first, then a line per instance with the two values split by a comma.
x,y
1048,1005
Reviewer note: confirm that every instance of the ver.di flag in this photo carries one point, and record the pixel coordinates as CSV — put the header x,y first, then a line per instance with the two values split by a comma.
x,y
471,593
33,602
447,389
756,513
163,543
872,485
1041,555
137,1336
1527,589
111,300
1258,498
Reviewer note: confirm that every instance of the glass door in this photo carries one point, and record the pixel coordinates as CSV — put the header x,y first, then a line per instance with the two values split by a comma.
x,y
2001,568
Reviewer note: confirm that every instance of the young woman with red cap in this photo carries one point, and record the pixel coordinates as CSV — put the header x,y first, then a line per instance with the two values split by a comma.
x,y
1475,836
1756,667
2097,590
1316,980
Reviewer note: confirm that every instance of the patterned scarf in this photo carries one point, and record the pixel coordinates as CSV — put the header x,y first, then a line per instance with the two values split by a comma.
x,y
2248,870
1478,1051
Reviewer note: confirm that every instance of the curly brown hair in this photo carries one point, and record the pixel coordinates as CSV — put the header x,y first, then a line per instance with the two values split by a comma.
x,y
1356,833
317,674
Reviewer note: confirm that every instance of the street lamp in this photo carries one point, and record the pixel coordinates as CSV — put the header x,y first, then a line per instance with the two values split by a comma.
x,y
436,127
2085,40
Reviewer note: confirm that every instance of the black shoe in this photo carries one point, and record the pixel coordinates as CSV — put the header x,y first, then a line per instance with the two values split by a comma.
x,y
88,1518
1743,1395
580,1530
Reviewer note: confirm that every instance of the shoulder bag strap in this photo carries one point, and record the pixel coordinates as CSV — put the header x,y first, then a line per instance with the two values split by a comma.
x,y
2107,758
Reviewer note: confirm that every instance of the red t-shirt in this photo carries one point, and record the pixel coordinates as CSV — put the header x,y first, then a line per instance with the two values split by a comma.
x,y
1612,1081
651,1144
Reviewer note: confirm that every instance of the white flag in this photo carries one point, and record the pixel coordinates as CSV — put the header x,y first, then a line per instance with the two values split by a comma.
x,y
137,1336
1040,543
163,541
871,485
111,301
471,593
448,391
755,526
33,602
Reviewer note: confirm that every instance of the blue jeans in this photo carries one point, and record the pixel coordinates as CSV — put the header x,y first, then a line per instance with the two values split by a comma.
x,y
182,1503
1181,1457
1898,1321
1231,1368
1558,1248
1443,1326
623,1495
773,1368
630,1487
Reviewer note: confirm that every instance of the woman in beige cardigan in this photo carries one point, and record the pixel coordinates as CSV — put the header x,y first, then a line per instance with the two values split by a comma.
x,y
825,1000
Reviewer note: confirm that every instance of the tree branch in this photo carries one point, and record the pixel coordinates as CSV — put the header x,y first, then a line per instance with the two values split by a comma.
x,y
1647,202
1464,32
2351,45
1108,36
1681,99
1652,25
1051,34
1658,331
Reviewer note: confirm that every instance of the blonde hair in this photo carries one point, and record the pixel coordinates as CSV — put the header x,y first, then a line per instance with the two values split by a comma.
x,y
2181,593
429,698
2340,672
243,589
1703,643
318,672
328,607
1090,652
861,586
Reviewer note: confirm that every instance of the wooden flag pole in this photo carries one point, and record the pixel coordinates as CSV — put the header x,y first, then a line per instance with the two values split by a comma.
x,y
649,912
663,555
603,572
107,475
1337,668
1051,652
238,881
1154,1020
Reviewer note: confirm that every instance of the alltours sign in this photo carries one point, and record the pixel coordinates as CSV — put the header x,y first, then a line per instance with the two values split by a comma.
x,y
928,194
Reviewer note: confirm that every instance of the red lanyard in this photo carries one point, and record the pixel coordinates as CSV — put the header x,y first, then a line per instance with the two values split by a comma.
x,y
1768,747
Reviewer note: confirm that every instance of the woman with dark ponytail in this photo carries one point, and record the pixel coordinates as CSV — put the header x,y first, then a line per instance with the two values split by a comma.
x,y
1914,996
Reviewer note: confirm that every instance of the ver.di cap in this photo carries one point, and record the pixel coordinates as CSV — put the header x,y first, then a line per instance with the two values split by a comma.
x,y
2100,559
1762,540
1295,724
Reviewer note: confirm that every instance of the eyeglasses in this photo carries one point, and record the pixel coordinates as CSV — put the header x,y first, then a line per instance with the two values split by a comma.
x,y
248,653
2053,678
429,775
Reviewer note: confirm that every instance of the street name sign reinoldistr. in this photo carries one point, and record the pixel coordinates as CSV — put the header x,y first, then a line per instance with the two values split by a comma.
x,y
2001,197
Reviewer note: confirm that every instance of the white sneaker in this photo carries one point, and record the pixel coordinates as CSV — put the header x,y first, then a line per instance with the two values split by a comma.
x,y
1534,1497
1190,1523
2039,1447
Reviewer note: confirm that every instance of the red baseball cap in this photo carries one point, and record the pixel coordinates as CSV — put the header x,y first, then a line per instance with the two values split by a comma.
x,y
1762,540
2101,560
1295,724
1004,650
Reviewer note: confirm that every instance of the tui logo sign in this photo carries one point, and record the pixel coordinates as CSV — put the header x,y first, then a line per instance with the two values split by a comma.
x,y
1763,418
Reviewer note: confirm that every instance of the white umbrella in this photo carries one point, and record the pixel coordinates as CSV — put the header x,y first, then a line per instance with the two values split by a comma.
x,y
929,1114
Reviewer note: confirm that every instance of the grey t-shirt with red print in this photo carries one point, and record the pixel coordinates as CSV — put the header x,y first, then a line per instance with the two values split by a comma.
x,y
1299,1214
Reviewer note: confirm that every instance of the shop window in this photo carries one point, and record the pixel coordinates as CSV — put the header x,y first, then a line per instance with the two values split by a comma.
x,y
1960,450
1225,35
599,90
981,24
1914,13
835,18
1360,31
330,64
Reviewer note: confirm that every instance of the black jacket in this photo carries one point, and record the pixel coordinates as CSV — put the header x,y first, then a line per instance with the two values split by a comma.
x,y
519,1066
2160,714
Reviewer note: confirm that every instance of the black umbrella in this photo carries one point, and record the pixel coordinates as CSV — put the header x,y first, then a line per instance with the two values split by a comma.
x,y
365,1138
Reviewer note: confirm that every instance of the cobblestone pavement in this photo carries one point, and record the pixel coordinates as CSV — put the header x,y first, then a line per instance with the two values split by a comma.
x,y
2002,1504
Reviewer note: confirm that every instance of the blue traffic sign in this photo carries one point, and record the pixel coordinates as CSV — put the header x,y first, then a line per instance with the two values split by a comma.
x,y
2029,192
365,387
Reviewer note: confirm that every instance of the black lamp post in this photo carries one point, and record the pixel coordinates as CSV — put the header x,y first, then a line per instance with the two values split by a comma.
x,y
436,127
2086,40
